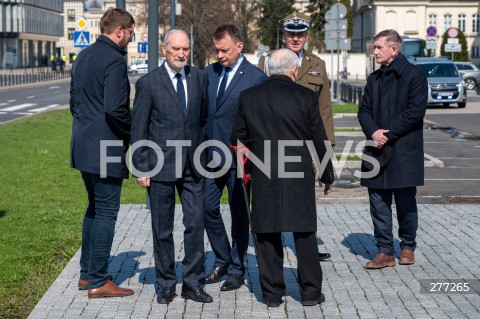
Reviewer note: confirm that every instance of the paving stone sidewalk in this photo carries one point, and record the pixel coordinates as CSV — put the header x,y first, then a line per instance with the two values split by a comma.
x,y
448,248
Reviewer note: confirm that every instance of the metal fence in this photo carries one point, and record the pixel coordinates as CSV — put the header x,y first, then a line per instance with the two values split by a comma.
x,y
29,78
347,92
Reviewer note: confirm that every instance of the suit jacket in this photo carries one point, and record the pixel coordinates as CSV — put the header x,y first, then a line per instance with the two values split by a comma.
x,y
281,110
158,117
220,118
313,75
100,106
395,99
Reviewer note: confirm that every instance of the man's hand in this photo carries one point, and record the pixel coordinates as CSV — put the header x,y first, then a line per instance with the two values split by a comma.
x,y
379,137
143,181
328,189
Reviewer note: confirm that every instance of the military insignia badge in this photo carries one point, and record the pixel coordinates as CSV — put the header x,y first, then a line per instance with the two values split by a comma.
x,y
314,73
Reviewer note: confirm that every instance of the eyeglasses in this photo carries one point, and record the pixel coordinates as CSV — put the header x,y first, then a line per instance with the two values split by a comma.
x,y
132,34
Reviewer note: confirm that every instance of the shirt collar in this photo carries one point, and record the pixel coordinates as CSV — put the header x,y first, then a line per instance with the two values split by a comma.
x,y
235,66
172,72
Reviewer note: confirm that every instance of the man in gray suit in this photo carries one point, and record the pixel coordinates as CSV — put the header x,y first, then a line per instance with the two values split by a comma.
x,y
169,113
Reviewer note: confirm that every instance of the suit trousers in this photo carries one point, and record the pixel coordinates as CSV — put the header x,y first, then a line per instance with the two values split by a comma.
x,y
226,255
162,204
270,265
407,216
98,227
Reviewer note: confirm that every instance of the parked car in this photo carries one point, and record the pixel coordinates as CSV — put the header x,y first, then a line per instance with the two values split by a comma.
x,y
135,69
470,73
142,67
445,84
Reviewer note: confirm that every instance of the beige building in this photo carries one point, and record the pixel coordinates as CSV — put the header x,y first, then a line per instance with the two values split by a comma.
x,y
73,10
412,18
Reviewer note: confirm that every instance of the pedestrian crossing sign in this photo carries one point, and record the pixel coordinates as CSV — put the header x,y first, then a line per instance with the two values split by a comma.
x,y
81,39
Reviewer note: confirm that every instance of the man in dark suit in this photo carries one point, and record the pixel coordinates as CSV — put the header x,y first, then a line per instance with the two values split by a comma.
x,y
99,102
227,78
169,113
391,115
285,114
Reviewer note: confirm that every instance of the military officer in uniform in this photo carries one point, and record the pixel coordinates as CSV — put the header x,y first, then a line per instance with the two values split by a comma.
x,y
312,73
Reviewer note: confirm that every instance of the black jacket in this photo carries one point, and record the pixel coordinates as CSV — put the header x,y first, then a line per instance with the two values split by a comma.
x,y
395,98
281,111
100,106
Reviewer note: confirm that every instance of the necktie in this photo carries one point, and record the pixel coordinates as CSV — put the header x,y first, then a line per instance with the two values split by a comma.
x,y
181,93
223,86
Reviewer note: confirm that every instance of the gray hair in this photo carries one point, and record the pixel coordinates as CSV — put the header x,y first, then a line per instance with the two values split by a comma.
x,y
391,38
169,34
282,61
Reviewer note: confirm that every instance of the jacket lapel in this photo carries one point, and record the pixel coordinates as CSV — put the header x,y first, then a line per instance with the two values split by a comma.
x,y
189,88
164,76
304,68
238,75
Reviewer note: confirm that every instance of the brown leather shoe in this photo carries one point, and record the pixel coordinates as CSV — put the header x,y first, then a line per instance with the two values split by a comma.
x,y
83,283
382,260
407,257
109,290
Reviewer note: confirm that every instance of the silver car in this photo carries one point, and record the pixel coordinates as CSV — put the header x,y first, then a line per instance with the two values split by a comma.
x,y
470,73
445,85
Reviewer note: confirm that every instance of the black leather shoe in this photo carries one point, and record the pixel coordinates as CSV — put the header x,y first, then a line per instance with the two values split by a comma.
x,y
216,275
166,295
197,294
314,302
233,282
323,256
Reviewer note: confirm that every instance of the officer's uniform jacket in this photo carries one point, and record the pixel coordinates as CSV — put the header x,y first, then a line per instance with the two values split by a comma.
x,y
313,75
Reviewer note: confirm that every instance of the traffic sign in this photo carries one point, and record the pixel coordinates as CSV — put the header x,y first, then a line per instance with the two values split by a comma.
x,y
431,31
343,44
81,23
144,37
334,34
431,43
453,40
142,47
452,32
336,12
81,39
453,47
332,26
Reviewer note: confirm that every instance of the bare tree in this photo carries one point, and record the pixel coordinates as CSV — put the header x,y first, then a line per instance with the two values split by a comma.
x,y
245,13
205,16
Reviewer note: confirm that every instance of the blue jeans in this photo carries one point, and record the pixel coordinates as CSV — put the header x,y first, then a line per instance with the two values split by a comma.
x,y
98,227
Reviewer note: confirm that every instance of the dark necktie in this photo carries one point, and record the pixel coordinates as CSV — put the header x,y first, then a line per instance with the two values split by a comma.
x,y
181,93
223,86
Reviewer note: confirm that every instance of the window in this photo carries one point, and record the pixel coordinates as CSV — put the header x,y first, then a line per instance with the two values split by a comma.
x,y
133,8
475,23
447,21
432,20
475,52
462,22
70,33
71,14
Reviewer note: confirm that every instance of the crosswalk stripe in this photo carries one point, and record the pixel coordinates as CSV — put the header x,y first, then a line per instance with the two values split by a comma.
x,y
18,107
41,109
22,113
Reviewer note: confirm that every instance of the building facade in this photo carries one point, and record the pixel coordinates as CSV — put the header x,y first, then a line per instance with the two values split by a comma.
x,y
412,18
29,30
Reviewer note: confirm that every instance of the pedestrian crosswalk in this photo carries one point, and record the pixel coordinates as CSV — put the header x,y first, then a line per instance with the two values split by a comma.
x,y
25,108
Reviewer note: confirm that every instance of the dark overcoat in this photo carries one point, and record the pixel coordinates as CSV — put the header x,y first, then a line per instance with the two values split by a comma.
x,y
395,98
100,106
281,110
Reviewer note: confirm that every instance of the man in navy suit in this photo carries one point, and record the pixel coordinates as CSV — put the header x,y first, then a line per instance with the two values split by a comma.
x,y
100,106
226,79
169,113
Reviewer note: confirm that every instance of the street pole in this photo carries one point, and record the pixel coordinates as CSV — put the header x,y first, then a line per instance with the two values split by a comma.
x,y
121,4
172,13
152,35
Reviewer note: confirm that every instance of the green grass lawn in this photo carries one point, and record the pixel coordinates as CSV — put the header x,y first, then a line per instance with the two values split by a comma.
x,y
345,108
42,203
